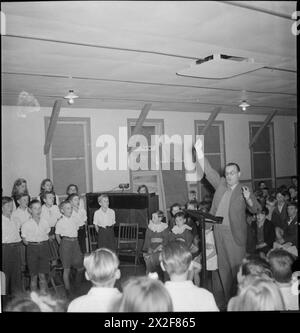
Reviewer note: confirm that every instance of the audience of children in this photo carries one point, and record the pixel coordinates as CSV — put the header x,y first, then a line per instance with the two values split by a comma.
x,y
176,259
104,221
66,231
281,264
102,269
143,294
157,236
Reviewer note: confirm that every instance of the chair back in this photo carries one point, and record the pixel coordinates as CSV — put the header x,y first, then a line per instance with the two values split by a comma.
x,y
53,247
92,237
128,234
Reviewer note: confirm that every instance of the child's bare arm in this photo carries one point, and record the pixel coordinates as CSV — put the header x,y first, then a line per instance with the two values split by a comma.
x,y
24,241
58,238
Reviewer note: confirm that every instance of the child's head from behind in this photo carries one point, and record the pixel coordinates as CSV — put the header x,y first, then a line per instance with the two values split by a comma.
x,y
66,208
103,200
102,267
23,200
180,219
157,217
281,264
7,206
176,258
48,198
258,294
143,294
34,302
254,265
74,200
35,209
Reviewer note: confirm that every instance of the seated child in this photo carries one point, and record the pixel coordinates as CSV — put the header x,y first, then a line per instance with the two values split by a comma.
x,y
102,269
34,302
35,234
66,231
104,220
157,235
143,294
264,232
11,247
281,264
80,214
50,211
175,208
176,259
252,265
257,294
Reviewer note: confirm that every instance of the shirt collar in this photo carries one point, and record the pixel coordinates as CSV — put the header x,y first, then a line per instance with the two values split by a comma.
x,y
157,227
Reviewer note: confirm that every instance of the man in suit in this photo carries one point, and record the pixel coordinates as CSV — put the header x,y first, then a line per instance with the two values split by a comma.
x,y
230,201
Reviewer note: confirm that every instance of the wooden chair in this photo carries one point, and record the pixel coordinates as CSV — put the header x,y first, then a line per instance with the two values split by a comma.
x,y
128,236
56,268
92,238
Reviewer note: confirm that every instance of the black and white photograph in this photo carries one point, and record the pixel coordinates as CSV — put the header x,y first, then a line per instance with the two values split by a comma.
x,y
149,159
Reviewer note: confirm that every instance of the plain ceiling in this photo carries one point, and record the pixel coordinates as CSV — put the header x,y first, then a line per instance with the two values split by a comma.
x,y
122,54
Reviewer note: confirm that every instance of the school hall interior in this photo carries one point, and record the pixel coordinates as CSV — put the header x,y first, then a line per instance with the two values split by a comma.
x,y
79,78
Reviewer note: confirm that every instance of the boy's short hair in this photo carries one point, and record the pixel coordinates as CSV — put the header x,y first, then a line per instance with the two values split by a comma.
x,y
33,202
102,196
255,265
101,266
193,203
63,203
281,263
71,196
180,214
233,164
6,200
264,210
176,258
44,195
271,200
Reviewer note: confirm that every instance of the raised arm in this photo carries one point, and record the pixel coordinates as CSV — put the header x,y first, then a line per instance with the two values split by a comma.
x,y
211,174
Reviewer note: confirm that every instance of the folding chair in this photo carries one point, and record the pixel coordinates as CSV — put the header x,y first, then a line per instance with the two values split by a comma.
x,y
92,238
128,237
56,268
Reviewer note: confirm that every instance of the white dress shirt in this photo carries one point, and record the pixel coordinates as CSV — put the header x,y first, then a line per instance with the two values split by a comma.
x,y
35,232
20,216
188,297
67,227
98,299
80,215
104,219
10,231
51,214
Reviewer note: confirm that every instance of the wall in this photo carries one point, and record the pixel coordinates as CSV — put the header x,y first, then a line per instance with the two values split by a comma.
x,y
23,141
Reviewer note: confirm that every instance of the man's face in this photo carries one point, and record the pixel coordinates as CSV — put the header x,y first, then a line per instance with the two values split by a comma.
x,y
280,198
232,175
292,211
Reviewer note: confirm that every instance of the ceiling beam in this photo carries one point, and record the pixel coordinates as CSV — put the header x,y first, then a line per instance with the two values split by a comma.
x,y
262,127
144,112
210,120
52,125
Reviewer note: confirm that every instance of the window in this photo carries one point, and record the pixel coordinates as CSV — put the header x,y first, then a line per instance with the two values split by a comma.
x,y
214,151
262,155
69,158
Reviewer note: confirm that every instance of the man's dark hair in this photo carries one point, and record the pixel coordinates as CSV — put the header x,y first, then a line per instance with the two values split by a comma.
x,y
179,214
233,164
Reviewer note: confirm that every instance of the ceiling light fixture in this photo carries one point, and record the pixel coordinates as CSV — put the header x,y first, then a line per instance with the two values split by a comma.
x,y
244,105
71,96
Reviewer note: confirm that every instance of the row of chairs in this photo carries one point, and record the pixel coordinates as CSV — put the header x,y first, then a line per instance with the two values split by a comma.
x,y
127,246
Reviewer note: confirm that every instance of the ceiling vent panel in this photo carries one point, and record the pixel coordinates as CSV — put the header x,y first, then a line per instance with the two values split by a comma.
x,y
220,66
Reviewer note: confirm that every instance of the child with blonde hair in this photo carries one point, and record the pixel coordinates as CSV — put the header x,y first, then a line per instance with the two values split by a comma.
x,y
102,269
143,294
257,294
